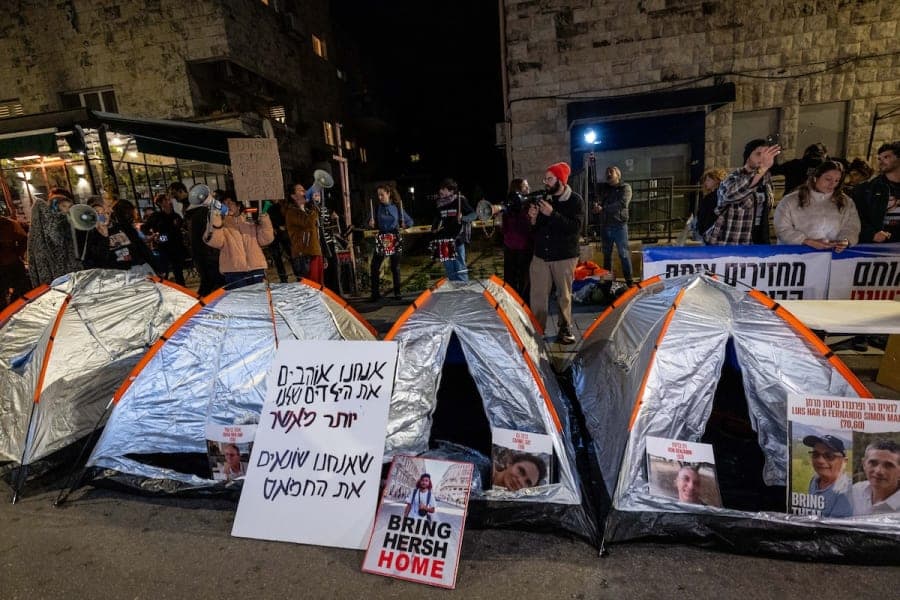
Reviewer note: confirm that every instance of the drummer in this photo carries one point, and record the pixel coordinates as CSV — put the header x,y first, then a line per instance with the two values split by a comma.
x,y
453,227
390,219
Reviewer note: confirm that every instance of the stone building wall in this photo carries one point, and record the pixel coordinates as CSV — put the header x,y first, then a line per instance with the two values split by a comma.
x,y
779,54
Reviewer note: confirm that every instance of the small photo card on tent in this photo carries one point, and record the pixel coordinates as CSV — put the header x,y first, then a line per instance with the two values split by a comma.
x,y
316,462
683,471
228,449
844,457
520,459
418,532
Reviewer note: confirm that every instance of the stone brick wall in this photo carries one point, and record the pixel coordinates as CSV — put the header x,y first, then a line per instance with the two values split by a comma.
x,y
779,53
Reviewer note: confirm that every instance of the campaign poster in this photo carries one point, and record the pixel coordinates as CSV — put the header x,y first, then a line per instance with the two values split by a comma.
x,y
866,272
780,272
419,527
316,463
520,459
228,449
683,471
844,458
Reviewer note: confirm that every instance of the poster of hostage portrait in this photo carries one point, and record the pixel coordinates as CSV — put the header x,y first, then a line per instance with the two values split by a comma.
x,y
844,458
683,471
228,448
520,459
419,526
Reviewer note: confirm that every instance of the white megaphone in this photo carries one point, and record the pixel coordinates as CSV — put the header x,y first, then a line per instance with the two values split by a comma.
x,y
199,194
485,211
81,218
322,180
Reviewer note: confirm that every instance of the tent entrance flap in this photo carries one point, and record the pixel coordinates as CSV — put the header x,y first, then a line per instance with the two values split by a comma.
x,y
739,459
459,416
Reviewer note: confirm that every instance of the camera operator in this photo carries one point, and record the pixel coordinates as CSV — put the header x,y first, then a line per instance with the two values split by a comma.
x,y
557,219
517,242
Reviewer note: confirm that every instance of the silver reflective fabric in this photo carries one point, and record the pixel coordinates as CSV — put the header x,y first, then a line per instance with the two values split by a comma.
x,y
112,317
682,378
213,369
509,392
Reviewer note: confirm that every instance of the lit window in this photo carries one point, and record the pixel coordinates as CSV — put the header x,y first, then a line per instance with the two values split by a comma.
x,y
100,99
415,157
328,129
10,108
341,75
363,157
348,144
276,113
319,47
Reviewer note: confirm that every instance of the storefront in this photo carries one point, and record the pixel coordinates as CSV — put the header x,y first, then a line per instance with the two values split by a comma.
x,y
95,153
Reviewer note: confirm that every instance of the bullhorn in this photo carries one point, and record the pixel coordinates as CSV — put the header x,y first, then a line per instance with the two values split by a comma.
x,y
486,211
322,180
82,217
199,194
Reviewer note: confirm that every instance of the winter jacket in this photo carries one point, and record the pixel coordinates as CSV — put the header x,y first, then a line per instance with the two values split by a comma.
x,y
615,200
240,243
556,237
303,229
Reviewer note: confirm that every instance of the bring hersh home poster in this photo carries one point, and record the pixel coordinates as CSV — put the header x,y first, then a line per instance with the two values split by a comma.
x,y
844,458
419,527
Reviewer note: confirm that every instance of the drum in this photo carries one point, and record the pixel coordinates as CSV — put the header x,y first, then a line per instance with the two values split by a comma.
x,y
387,244
443,250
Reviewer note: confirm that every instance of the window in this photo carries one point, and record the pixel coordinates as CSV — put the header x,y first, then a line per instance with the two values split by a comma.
x,y
328,129
415,157
349,144
319,47
10,108
100,99
341,75
277,113
748,126
363,156
825,123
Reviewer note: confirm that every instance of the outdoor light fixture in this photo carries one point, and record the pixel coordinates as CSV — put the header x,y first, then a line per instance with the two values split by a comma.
x,y
590,137
412,190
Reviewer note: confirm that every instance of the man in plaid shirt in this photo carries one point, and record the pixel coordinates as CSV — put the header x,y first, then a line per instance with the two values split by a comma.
x,y
745,198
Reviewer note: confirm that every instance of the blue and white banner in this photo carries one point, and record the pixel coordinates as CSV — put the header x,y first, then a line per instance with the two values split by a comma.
x,y
866,272
781,272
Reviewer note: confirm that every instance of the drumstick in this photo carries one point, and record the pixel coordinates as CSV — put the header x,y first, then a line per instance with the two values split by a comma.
x,y
402,225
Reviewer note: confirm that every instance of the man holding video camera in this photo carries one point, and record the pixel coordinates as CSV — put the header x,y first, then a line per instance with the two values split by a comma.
x,y
745,199
557,218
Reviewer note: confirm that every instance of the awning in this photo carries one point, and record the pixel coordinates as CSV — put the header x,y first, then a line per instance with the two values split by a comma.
x,y
648,102
180,139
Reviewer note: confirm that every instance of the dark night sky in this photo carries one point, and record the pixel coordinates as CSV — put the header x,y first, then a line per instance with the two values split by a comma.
x,y
436,69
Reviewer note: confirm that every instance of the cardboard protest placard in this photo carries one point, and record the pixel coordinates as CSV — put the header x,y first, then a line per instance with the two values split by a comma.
x,y
316,461
419,528
844,457
683,471
256,167
228,449
520,459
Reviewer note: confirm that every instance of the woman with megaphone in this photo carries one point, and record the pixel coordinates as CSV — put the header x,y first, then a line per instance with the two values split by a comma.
x,y
240,242
51,248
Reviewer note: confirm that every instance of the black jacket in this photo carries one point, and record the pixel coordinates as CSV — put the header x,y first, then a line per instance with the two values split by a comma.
x,y
871,199
556,237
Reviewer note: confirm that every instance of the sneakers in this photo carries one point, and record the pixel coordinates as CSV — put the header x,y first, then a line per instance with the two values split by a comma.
x,y
564,336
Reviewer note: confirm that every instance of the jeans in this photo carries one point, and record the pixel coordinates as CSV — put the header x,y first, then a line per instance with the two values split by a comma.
x,y
456,269
241,279
617,234
375,273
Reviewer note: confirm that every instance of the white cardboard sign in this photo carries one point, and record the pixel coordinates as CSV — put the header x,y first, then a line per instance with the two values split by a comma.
x,y
314,471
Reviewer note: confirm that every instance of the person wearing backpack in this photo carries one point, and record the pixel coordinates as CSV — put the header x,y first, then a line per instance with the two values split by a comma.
x,y
421,500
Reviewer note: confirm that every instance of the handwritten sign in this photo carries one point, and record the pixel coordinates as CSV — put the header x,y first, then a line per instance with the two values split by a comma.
x,y
316,461
256,167
419,529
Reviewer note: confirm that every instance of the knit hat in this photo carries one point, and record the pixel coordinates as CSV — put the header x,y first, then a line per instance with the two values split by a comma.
x,y
561,171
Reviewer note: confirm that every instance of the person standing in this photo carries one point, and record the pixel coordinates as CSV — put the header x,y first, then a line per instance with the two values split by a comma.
x,y
165,225
818,214
798,170
745,199
204,257
240,243
281,247
878,200
612,208
126,245
302,222
518,247
453,225
13,277
421,500
706,206
389,219
557,220
51,248
178,194
328,227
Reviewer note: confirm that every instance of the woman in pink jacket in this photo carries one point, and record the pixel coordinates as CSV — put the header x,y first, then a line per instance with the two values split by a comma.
x,y
240,242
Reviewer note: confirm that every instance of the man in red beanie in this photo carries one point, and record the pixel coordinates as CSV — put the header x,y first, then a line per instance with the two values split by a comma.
x,y
557,219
